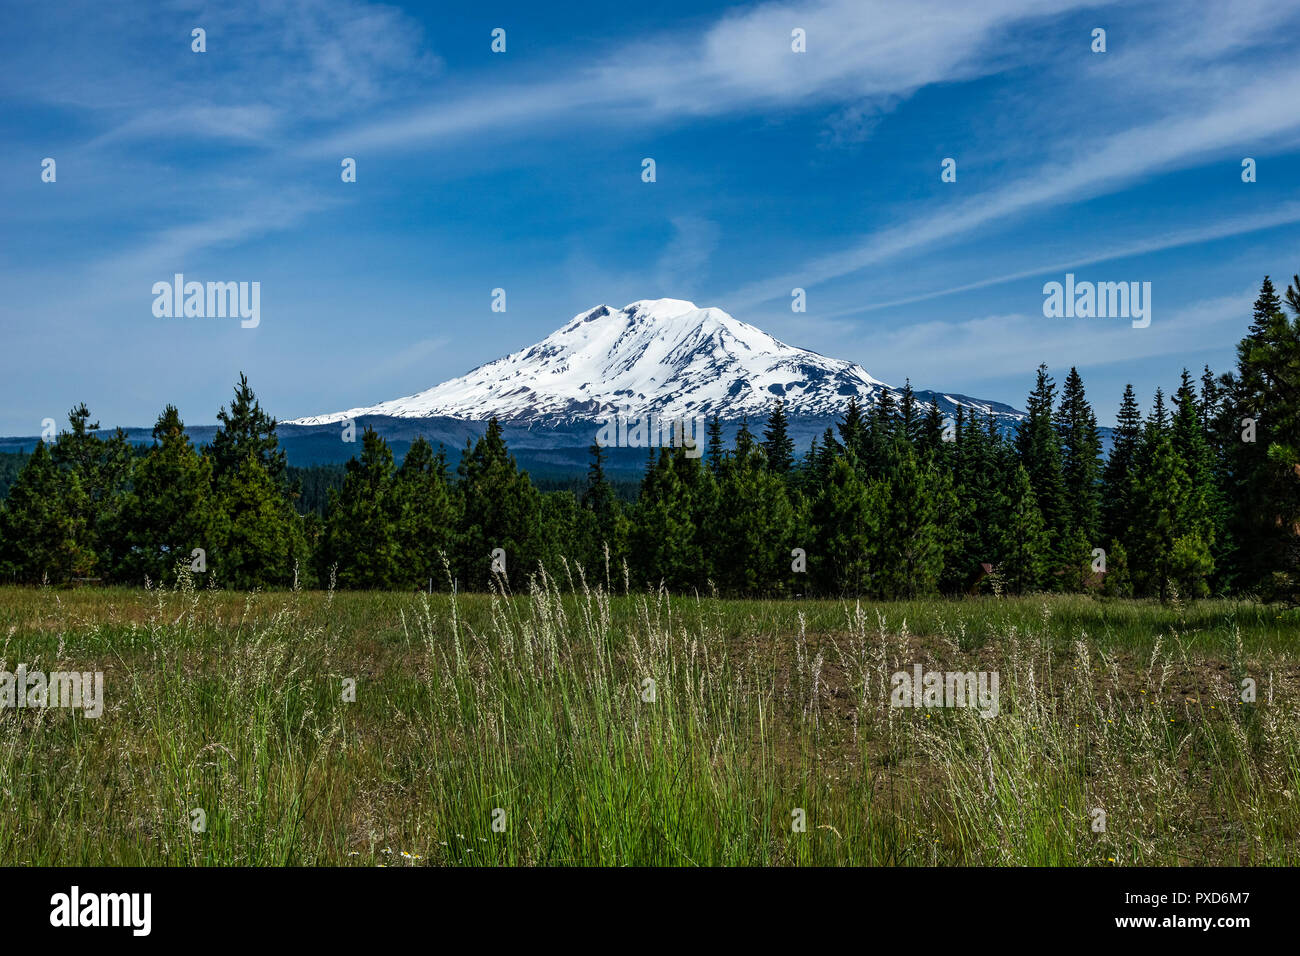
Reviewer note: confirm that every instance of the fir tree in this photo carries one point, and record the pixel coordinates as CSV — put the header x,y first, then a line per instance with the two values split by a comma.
x,y
1040,452
602,525
501,510
1117,477
1080,441
911,506
853,427
777,442
909,422
842,532
717,449
1024,548
169,511
37,530
665,546
1161,491
258,537
752,526
246,429
425,514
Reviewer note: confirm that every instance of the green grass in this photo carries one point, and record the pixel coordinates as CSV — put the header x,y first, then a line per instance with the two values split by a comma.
x,y
530,709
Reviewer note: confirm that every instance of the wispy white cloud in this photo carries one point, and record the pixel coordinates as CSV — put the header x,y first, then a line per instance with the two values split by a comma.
x,y
870,53
1242,225
998,345
1253,113
270,65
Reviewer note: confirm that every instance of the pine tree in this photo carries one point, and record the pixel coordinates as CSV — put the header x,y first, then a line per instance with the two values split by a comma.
x,y
1080,441
1259,440
169,511
602,525
38,540
560,520
841,515
1210,400
425,513
258,538
745,440
752,526
930,439
1196,460
665,545
246,429
1040,453
886,412
701,489
979,489
94,473
1293,295
807,477
363,525
501,510
1023,559
909,421
1117,477
1161,490
777,442
1267,307
717,449
853,428
830,450
910,543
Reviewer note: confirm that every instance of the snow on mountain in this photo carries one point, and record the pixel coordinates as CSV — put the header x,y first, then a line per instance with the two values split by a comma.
x,y
665,356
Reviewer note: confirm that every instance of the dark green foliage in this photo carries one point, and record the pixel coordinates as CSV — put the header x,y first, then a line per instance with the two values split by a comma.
x,y
258,537
843,531
1200,498
425,517
1118,500
1076,429
169,510
601,529
1024,545
501,512
38,533
314,484
11,463
751,526
1258,432
364,526
1039,448
246,430
665,539
777,442
909,546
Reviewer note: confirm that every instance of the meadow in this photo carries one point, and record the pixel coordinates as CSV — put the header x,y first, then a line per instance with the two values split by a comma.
x,y
384,728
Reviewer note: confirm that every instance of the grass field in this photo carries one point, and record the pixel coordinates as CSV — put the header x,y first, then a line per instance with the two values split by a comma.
x,y
518,730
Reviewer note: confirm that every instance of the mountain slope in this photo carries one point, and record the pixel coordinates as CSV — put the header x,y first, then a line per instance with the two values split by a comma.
x,y
665,356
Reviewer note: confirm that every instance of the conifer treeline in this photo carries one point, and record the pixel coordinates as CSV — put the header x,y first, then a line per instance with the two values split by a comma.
x,y
1199,495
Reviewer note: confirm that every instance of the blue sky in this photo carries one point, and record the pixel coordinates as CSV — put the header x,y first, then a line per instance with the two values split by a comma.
x,y
522,171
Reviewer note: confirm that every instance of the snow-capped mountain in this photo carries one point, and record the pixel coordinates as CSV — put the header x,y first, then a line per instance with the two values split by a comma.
x,y
662,356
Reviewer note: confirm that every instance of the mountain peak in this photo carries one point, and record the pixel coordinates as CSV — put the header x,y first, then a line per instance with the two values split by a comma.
x,y
665,356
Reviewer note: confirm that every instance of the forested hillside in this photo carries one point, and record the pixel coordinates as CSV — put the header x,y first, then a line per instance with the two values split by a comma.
x,y
1200,495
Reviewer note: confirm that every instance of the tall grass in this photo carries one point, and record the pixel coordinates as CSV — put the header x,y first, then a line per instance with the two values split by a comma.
x,y
525,730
